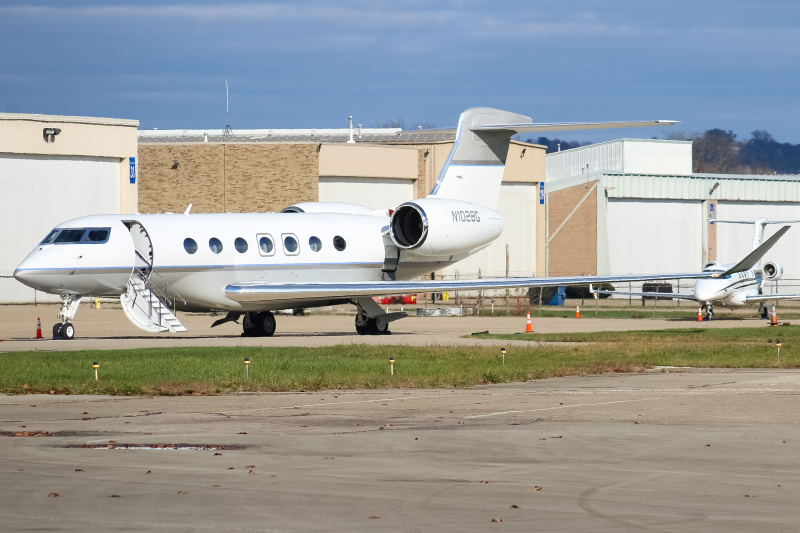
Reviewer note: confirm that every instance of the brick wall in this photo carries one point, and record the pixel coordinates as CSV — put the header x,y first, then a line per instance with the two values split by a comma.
x,y
573,251
218,178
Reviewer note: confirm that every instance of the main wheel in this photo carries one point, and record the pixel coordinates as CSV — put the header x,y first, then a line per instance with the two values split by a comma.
x,y
67,331
250,325
361,324
377,327
266,323
57,329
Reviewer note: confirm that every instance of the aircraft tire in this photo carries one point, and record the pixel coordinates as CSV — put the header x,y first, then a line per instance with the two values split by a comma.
x,y
266,324
67,331
377,327
249,325
57,330
361,330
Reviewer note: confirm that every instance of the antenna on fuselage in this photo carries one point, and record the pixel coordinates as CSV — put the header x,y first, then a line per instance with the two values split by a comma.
x,y
188,209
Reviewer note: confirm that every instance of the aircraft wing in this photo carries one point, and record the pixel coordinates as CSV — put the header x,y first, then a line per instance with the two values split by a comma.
x,y
764,297
263,292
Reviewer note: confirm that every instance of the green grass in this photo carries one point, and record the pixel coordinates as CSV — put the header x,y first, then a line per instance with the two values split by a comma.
x,y
169,371
669,313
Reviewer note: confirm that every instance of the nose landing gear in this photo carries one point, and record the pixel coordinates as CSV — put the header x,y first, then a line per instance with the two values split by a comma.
x,y
708,312
69,306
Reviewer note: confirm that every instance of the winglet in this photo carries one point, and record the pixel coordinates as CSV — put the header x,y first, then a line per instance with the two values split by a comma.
x,y
753,257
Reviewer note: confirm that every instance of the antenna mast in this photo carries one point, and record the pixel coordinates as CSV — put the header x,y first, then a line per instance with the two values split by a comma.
x,y
227,111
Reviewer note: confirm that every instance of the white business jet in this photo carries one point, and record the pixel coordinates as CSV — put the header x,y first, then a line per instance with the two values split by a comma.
x,y
730,290
309,255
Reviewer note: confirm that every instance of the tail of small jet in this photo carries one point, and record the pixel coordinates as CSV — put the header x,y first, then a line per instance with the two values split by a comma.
x,y
760,224
474,169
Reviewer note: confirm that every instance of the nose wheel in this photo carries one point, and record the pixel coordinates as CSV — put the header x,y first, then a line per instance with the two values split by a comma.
x,y
69,306
708,312
65,331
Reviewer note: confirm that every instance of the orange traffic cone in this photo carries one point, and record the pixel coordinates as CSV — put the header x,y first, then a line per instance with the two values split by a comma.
x,y
700,314
577,311
773,319
38,328
528,327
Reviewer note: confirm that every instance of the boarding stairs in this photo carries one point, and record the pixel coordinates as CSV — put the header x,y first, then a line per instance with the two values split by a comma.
x,y
149,307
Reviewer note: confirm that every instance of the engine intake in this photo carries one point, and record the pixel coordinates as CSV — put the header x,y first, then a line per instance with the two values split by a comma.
x,y
409,226
772,271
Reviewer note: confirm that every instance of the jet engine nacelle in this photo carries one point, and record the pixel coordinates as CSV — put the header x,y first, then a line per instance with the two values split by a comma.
x,y
772,271
438,226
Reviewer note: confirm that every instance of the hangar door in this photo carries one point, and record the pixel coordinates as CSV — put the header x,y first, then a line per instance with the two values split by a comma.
x,y
654,236
378,193
734,241
39,192
517,205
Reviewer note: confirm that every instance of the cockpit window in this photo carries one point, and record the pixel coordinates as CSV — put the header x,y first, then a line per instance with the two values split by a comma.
x,y
77,235
97,235
50,237
69,236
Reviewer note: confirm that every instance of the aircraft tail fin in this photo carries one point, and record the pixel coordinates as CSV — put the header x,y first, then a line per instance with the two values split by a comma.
x,y
754,257
760,225
474,169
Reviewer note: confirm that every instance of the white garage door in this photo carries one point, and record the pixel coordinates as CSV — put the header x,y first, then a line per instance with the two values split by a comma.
x,y
734,241
517,205
39,192
378,193
654,236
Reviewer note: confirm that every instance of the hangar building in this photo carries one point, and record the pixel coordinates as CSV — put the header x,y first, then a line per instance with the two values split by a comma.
x,y
634,206
52,169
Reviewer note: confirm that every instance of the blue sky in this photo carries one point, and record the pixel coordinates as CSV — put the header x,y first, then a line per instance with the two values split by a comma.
x,y
732,65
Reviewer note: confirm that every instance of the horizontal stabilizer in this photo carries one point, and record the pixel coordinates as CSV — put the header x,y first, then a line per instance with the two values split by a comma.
x,y
530,127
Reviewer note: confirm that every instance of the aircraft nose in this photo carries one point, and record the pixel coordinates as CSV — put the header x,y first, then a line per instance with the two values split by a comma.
x,y
706,290
28,277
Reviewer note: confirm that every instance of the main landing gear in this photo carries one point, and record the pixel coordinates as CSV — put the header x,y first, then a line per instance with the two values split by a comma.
x,y
260,324
371,326
69,306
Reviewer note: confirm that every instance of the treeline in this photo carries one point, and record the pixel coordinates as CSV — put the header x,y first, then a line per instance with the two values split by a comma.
x,y
554,145
718,151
